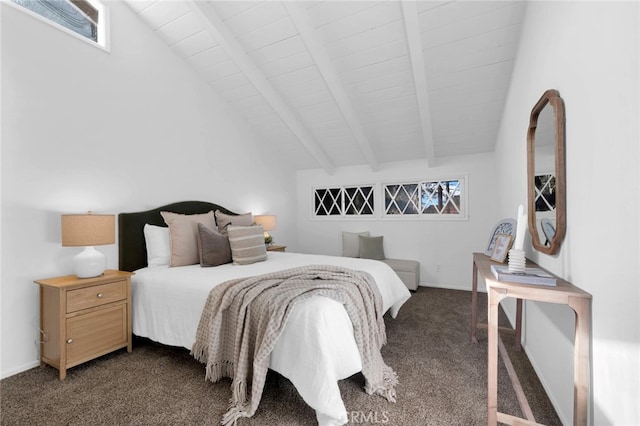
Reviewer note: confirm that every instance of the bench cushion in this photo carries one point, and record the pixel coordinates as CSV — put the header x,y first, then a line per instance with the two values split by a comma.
x,y
407,270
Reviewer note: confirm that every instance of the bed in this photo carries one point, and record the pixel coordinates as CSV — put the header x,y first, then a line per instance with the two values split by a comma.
x,y
167,303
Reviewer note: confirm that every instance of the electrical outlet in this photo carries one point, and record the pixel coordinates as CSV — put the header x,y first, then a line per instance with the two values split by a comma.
x,y
437,267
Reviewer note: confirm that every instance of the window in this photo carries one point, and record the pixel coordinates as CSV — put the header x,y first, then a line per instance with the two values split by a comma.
x,y
328,202
358,200
436,198
344,201
401,199
441,197
420,199
81,17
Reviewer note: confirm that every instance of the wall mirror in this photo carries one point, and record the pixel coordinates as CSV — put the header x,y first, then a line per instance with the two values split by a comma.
x,y
546,173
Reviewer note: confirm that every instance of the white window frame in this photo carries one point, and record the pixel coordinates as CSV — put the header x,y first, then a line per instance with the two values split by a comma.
x,y
379,202
464,208
344,202
103,42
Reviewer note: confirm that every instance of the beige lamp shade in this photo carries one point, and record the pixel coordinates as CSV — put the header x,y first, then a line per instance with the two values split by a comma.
x,y
268,222
88,229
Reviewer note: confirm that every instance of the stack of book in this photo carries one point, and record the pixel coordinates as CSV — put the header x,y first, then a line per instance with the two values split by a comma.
x,y
529,276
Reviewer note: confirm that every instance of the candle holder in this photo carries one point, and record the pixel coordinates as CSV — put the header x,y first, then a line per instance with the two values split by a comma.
x,y
517,261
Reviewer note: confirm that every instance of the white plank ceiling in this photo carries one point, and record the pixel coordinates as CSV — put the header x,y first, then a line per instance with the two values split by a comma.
x,y
338,83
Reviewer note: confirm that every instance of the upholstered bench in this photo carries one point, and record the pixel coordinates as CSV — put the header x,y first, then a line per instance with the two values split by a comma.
x,y
407,270
360,244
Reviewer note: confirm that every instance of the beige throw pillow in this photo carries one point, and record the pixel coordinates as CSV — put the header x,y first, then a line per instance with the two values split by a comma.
x,y
247,244
183,236
225,220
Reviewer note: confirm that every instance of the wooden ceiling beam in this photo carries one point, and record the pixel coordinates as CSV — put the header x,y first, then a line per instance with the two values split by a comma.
x,y
412,26
221,33
319,53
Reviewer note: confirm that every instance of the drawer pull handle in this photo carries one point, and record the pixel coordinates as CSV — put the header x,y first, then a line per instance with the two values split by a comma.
x,y
69,341
100,295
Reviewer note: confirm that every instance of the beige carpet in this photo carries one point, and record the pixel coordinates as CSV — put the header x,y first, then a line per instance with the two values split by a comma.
x,y
442,381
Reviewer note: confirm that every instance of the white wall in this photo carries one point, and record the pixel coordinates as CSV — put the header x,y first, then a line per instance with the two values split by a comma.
x,y
447,243
83,129
589,52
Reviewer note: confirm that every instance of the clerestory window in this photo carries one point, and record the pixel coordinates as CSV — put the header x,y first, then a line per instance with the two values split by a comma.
x,y
344,201
85,18
434,198
444,199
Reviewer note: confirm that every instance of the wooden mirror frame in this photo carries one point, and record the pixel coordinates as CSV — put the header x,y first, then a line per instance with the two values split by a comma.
x,y
550,97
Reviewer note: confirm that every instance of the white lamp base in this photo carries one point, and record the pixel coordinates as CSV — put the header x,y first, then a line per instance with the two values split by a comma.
x,y
89,263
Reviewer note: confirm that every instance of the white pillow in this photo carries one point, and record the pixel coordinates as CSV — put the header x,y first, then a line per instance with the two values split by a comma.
x,y
351,243
158,247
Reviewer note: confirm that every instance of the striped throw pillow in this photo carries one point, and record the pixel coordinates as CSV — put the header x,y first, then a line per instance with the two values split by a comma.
x,y
247,244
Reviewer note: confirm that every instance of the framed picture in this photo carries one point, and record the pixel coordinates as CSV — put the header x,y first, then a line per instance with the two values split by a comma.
x,y
501,247
505,226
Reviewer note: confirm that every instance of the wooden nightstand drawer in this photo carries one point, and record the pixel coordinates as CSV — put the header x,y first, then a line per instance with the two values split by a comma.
x,y
84,298
96,333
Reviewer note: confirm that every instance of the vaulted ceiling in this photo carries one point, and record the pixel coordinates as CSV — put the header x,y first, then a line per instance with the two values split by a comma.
x,y
339,83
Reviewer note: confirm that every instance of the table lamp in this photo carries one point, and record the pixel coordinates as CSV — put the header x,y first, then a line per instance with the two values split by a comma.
x,y
268,223
88,230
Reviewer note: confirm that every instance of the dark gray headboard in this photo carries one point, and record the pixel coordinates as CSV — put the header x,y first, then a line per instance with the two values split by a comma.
x,y
132,250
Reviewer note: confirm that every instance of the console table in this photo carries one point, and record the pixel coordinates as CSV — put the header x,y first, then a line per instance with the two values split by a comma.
x,y
563,293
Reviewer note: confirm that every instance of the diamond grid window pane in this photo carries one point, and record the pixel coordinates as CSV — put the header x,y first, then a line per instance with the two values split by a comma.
x,y
454,201
401,199
318,206
441,197
358,200
429,197
327,202
390,206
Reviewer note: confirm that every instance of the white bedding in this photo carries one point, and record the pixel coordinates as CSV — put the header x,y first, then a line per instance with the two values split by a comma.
x,y
316,348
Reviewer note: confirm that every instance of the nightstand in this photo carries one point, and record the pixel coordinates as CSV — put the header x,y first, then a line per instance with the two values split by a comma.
x,y
274,247
84,318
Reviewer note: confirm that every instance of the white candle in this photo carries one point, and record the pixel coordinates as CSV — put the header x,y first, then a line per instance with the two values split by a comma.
x,y
521,226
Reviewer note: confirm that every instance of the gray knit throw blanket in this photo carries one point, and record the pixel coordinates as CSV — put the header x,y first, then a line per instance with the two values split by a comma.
x,y
243,318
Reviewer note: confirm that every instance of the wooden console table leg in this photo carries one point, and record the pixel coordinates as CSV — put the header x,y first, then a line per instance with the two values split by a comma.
x,y
581,359
494,297
517,345
474,304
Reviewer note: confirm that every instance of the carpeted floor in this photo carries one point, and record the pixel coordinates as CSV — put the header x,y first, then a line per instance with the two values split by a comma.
x,y
442,381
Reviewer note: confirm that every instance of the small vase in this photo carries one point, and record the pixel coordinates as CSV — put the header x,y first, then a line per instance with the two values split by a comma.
x,y
517,261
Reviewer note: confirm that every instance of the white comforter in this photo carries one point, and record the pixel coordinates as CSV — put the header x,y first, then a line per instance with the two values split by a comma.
x,y
316,348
